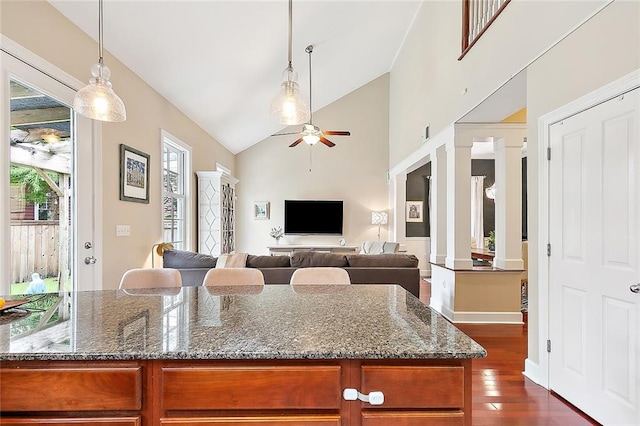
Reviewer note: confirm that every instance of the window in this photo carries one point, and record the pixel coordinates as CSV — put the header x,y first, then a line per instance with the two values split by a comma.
x,y
176,172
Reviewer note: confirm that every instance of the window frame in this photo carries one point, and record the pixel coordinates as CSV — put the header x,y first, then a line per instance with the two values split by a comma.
x,y
167,139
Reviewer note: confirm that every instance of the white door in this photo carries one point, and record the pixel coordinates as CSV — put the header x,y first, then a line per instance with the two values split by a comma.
x,y
82,200
594,195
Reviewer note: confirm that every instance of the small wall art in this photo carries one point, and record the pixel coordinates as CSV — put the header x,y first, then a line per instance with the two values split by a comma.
x,y
134,175
415,211
261,210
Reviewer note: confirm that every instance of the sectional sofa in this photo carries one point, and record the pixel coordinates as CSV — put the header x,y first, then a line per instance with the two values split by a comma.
x,y
401,269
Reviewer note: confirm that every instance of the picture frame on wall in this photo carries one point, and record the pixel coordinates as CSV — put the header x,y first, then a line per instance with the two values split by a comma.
x,y
415,211
261,210
134,175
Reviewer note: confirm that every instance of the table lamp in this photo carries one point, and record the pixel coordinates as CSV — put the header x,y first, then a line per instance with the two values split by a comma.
x,y
379,218
159,249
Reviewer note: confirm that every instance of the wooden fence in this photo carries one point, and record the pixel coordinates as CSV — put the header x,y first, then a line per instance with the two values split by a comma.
x,y
34,248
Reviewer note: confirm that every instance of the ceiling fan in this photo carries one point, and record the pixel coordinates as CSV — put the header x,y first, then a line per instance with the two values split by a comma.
x,y
310,133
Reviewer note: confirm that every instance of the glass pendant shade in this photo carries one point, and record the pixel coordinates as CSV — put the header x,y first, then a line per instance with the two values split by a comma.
x,y
310,139
97,100
288,107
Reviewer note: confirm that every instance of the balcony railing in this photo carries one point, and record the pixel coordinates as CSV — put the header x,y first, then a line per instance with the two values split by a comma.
x,y
477,15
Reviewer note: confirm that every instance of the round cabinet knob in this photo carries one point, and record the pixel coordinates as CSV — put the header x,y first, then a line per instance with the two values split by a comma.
x,y
635,288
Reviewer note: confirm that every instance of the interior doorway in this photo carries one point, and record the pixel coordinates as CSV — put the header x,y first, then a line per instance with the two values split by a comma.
x,y
594,318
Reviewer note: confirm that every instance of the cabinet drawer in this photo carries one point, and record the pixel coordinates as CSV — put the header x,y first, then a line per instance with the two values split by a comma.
x,y
416,387
85,421
255,421
71,389
413,419
242,388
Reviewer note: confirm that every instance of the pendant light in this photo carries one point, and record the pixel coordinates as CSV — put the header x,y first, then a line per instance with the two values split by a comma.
x,y
288,107
97,100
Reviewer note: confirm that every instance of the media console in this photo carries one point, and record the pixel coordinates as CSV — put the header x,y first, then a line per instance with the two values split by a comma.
x,y
283,250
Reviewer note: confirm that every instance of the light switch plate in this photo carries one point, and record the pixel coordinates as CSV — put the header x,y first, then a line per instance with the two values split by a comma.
x,y
123,230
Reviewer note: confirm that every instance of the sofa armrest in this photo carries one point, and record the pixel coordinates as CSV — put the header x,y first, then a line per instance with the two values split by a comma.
x,y
408,278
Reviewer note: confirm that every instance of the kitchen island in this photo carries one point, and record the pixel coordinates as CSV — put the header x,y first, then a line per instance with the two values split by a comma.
x,y
270,355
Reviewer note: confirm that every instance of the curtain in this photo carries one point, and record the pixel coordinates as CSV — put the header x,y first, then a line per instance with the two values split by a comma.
x,y
477,216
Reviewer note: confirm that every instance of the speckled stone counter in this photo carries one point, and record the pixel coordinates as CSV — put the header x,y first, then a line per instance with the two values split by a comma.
x,y
270,322
269,355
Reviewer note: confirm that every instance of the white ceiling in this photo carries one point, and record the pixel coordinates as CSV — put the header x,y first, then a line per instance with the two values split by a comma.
x,y
221,61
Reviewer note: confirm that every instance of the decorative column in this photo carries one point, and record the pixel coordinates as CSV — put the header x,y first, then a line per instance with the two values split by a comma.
x,y
439,206
459,204
508,201
397,197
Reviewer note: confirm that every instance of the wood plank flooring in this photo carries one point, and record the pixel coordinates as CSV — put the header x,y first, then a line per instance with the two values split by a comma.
x,y
502,395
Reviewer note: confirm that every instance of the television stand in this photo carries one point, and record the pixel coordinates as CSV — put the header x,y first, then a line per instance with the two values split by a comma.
x,y
288,249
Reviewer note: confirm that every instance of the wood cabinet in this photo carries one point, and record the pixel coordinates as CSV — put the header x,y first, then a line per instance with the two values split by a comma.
x,y
235,393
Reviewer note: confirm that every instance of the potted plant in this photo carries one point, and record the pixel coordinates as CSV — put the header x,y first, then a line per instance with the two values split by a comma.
x,y
492,240
277,233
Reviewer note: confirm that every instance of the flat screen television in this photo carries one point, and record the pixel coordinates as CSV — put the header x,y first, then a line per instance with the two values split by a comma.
x,y
312,217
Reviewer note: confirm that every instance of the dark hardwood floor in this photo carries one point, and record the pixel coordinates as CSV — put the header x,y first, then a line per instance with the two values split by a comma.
x,y
502,395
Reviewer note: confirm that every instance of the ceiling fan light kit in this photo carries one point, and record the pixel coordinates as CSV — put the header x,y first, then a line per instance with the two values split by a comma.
x,y
311,134
97,100
288,107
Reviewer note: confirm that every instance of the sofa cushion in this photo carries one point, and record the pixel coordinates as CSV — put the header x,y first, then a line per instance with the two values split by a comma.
x,y
268,261
383,260
182,259
309,259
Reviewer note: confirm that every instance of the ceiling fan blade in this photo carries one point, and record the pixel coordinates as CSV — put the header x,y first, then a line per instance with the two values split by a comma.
x,y
337,132
286,134
295,143
327,142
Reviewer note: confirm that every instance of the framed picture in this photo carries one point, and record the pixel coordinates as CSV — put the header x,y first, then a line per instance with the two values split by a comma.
x,y
261,210
134,175
415,211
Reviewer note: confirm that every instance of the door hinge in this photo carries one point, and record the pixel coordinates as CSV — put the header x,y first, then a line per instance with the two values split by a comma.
x,y
549,346
549,154
549,250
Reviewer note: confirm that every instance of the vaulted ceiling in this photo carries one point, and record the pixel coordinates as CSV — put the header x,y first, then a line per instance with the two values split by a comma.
x,y
221,61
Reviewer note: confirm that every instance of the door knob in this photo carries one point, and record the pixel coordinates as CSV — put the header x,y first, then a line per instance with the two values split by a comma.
x,y
90,260
635,288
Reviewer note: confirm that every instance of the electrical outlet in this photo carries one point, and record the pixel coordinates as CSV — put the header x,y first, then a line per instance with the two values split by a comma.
x,y
123,230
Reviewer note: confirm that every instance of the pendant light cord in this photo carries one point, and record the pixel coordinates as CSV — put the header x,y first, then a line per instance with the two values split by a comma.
x,y
290,29
100,32
310,49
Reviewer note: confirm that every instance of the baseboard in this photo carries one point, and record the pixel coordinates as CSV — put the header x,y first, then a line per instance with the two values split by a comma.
x,y
488,317
532,372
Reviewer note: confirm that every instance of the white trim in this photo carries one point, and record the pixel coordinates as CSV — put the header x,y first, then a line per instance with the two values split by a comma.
x,y
188,195
532,371
604,93
21,53
420,156
488,317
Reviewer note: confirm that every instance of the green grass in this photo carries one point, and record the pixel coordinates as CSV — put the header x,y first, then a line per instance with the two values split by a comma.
x,y
50,283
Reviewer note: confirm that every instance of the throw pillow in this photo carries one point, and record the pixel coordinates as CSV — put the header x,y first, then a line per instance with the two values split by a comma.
x,y
268,261
310,259
182,259
383,260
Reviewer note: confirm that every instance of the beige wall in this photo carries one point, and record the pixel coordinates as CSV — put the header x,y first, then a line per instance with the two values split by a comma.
x,y
43,30
354,171
604,49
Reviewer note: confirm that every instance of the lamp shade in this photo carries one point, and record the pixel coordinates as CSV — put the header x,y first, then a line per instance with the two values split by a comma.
x,y
491,192
288,107
97,100
379,218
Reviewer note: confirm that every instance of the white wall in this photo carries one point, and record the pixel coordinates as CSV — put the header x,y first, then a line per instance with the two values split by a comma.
x,y
51,36
354,171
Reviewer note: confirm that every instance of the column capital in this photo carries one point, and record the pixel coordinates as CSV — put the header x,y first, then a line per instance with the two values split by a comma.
x,y
503,143
459,143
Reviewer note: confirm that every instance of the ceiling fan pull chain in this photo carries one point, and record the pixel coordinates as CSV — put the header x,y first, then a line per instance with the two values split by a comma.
x,y
310,157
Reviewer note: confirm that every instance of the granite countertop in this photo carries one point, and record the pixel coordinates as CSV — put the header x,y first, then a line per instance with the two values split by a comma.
x,y
242,322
